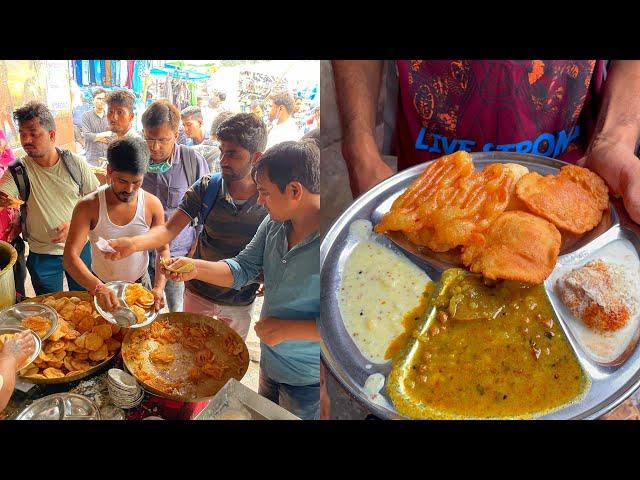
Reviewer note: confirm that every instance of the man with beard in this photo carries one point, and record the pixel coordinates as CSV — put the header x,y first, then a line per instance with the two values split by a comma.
x,y
119,208
50,182
172,170
229,222
120,114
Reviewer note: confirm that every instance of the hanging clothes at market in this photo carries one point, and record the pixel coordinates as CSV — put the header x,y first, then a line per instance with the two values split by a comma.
x,y
107,73
130,69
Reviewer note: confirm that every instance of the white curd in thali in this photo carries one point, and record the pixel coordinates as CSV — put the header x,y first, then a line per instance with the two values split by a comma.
x,y
378,288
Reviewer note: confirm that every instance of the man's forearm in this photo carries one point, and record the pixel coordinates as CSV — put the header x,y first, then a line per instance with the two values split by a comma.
x,y
215,273
357,91
154,239
159,279
619,118
79,271
303,330
8,374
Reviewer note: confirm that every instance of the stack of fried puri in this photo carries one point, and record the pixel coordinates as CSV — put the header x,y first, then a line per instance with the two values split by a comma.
x,y
504,219
82,340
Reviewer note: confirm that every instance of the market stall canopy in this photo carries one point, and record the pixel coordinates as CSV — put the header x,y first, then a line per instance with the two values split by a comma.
x,y
179,73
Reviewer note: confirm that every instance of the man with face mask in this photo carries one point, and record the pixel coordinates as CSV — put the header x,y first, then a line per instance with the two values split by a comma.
x,y
120,114
228,227
119,208
172,170
57,179
280,115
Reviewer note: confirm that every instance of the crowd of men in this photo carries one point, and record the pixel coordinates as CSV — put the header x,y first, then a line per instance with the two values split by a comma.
x,y
242,203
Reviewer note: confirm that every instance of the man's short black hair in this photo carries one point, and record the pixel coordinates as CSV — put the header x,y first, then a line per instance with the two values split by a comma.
x,y
246,130
124,98
37,110
218,121
313,136
160,112
97,91
192,112
289,162
285,99
128,154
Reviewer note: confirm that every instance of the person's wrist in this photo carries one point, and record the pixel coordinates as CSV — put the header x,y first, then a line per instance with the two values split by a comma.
x,y
615,136
9,358
97,288
359,148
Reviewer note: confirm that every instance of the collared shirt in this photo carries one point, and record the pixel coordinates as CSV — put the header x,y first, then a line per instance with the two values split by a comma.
x,y
92,124
170,188
227,231
292,292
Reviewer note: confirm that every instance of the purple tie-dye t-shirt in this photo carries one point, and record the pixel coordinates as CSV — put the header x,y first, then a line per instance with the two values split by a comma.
x,y
544,107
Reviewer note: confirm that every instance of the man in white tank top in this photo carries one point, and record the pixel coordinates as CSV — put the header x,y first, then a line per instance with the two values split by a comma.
x,y
118,209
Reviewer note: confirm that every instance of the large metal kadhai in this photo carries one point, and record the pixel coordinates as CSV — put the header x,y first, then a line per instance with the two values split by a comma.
x,y
193,392
611,381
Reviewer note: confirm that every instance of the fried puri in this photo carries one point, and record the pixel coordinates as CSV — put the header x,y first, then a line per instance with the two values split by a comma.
x,y
450,203
573,200
517,246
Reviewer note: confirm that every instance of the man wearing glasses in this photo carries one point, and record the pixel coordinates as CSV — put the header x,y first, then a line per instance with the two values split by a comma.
x,y
95,128
172,170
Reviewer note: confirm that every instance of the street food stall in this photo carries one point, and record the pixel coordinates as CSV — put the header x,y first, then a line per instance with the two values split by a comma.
x,y
132,363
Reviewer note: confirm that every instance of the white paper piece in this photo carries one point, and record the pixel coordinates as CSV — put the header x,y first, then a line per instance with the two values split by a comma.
x,y
104,246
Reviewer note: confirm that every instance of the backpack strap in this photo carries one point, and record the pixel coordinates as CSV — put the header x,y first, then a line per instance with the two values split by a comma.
x,y
18,171
189,163
210,196
73,168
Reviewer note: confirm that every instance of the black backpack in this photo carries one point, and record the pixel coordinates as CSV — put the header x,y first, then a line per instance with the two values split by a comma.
x,y
19,172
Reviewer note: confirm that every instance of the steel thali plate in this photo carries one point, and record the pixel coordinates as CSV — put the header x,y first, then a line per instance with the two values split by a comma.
x,y
611,381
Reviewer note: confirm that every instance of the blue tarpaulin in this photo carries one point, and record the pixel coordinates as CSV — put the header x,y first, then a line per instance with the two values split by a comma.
x,y
176,72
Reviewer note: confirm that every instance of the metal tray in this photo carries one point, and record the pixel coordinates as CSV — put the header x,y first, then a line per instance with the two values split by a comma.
x,y
611,383
12,316
235,396
67,379
61,406
121,316
36,351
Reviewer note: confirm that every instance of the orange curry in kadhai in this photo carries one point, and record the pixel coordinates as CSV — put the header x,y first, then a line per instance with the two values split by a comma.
x,y
486,352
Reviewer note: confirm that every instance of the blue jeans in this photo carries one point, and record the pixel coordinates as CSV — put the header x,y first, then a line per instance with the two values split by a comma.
x,y
173,291
46,271
303,401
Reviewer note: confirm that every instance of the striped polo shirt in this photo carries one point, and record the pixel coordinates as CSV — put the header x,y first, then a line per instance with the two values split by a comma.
x,y
227,230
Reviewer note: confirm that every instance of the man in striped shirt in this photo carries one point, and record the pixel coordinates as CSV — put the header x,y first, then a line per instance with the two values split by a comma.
x,y
229,227
95,128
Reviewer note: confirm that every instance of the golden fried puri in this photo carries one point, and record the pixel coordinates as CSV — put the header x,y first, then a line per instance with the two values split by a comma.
x,y
82,339
38,324
450,203
162,354
573,200
517,246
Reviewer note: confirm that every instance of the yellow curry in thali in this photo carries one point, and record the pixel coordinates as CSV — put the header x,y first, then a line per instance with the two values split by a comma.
x,y
486,352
